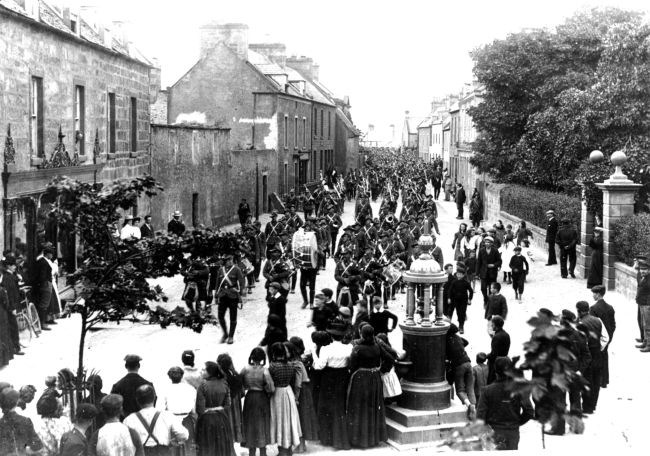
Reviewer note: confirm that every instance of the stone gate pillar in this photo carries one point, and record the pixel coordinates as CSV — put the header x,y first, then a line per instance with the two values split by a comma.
x,y
586,231
618,202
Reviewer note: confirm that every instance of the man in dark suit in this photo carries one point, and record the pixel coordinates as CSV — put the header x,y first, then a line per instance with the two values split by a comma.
x,y
567,239
606,313
43,285
500,345
593,328
175,225
127,386
551,232
488,262
146,230
461,197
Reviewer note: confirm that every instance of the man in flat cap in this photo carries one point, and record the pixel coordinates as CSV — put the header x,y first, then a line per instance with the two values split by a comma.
x,y
551,231
75,442
643,301
488,262
127,386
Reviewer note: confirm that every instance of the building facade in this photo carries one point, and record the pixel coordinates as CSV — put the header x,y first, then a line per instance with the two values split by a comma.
x,y
75,102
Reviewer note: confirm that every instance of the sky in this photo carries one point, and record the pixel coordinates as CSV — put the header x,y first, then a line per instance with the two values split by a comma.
x,y
387,56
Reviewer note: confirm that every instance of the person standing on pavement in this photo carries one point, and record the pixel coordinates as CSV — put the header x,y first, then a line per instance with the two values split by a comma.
x,y
43,285
519,267
128,385
488,262
643,301
175,225
213,433
504,412
244,211
230,289
606,314
551,233
75,442
567,239
460,295
500,345
461,197
597,340
581,361
179,398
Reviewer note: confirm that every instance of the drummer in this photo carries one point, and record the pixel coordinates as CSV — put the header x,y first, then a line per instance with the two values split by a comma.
x,y
308,270
348,276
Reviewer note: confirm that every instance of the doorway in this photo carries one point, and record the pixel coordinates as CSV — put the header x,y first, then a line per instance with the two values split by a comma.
x,y
265,197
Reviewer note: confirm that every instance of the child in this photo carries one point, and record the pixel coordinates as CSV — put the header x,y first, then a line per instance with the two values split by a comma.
x,y
519,266
460,296
509,231
392,387
276,331
361,316
306,410
496,305
380,317
500,231
449,270
506,251
470,264
236,387
480,372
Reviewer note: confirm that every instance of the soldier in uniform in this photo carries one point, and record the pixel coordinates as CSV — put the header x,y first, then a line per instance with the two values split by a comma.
x,y
292,221
272,231
372,277
276,270
347,275
260,239
308,205
229,289
334,223
196,284
291,199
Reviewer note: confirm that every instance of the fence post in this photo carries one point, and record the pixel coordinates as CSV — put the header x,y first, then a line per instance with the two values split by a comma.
x,y
618,202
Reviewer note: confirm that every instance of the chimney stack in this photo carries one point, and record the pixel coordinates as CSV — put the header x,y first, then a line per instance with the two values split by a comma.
x,y
120,33
235,36
305,66
275,52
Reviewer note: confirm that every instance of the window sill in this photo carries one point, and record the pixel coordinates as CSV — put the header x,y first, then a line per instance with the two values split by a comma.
x,y
36,161
136,154
82,158
111,155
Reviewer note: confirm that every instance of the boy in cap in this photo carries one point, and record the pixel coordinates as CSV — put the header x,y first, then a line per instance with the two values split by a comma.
x,y
74,442
519,268
114,437
460,296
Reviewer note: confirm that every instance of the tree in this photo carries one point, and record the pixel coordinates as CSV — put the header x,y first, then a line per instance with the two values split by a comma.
x,y
550,98
111,280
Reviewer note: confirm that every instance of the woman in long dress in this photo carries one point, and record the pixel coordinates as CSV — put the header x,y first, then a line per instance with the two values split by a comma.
x,y
596,268
458,238
306,409
285,420
366,410
507,250
256,417
333,361
213,433
236,389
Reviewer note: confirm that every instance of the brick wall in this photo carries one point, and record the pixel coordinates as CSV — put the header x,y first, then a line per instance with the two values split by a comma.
x,y
191,161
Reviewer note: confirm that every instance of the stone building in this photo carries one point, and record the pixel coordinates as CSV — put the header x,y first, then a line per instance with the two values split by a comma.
x,y
425,139
75,101
268,101
410,131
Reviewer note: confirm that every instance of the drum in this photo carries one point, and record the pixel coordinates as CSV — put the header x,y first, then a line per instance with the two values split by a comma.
x,y
305,249
392,273
247,266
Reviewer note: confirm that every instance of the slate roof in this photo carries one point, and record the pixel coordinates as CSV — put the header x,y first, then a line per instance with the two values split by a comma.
x,y
49,17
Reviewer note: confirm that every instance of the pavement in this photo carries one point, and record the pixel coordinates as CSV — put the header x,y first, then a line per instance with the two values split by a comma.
x,y
614,426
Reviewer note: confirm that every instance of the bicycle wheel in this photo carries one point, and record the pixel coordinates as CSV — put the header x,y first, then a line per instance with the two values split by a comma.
x,y
23,324
33,317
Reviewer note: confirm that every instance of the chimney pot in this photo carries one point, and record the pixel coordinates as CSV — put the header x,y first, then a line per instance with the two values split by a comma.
x,y
235,36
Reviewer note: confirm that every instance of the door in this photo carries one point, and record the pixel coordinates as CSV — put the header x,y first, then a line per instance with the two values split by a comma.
x,y
265,197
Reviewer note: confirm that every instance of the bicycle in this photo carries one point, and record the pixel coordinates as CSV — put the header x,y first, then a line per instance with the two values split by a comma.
x,y
27,316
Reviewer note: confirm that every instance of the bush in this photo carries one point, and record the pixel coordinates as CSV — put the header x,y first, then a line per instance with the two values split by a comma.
x,y
531,204
632,237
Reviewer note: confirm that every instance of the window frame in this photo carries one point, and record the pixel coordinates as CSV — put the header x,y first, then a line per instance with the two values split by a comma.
x,y
79,115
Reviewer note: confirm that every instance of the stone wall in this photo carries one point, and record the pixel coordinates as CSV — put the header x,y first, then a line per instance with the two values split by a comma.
x,y
625,280
203,178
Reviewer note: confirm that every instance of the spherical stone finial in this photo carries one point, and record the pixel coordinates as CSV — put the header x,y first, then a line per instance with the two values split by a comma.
x,y
618,158
596,156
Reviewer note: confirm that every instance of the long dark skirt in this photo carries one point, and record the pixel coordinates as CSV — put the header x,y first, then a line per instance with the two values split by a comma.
x,y
213,435
256,425
314,379
596,269
235,418
366,411
332,419
307,413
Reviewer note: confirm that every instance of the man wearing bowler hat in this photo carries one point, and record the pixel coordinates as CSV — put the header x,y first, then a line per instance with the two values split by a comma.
x,y
175,225
567,239
127,386
551,231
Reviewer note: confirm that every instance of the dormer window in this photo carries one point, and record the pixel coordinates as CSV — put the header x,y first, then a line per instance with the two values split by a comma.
x,y
73,26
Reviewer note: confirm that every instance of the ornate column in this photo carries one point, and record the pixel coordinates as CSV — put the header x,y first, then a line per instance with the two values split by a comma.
x,y
410,305
618,202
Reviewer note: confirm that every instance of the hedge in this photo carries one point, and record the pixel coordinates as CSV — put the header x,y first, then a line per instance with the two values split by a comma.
x,y
632,237
531,204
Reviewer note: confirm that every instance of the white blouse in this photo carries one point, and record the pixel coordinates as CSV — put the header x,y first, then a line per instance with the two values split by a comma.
x,y
335,355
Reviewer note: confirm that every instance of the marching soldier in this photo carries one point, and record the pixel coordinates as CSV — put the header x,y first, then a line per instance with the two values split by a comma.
x,y
348,276
334,223
229,288
272,231
292,221
276,270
